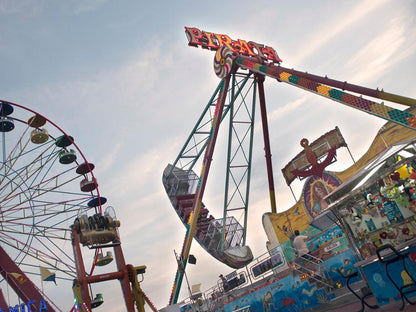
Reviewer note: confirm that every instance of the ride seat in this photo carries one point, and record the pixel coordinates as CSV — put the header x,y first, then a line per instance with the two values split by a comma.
x,y
186,202
202,228
203,213
185,213
200,236
179,198
183,204
204,222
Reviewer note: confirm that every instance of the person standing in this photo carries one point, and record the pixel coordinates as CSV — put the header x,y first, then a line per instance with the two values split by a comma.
x,y
300,246
224,283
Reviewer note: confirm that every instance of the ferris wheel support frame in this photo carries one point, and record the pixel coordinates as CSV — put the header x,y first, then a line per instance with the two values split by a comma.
x,y
122,274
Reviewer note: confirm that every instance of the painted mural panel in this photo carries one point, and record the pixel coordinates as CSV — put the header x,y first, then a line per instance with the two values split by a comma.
x,y
314,191
299,216
382,287
296,292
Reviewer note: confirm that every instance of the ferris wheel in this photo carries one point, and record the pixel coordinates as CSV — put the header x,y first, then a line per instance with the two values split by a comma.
x,y
45,184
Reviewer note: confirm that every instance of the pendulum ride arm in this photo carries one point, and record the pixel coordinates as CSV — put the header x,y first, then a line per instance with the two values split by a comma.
x,y
196,143
324,86
200,190
20,283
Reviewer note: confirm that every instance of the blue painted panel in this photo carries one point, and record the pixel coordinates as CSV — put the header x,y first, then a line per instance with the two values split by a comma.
x,y
383,289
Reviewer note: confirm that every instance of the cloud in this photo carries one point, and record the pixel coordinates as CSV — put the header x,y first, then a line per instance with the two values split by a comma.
x,y
281,112
23,8
87,6
385,51
339,24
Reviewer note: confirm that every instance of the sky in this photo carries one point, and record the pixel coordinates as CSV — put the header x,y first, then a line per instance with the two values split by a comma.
x,y
120,78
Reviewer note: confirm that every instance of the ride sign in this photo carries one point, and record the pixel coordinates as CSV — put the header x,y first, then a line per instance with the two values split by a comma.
x,y
213,41
27,307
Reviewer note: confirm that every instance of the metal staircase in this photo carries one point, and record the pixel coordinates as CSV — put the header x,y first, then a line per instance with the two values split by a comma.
x,y
312,268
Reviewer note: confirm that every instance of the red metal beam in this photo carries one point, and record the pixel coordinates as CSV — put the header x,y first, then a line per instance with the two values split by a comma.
x,y
84,280
3,302
124,280
20,283
104,277
272,70
267,150
80,267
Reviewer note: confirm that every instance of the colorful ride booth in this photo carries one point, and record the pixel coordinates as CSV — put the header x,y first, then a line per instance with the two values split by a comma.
x,y
378,216
360,223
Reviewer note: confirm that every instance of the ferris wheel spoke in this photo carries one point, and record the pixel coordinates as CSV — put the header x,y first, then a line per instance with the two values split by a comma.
x,y
18,147
19,228
57,249
25,177
41,151
29,195
46,208
55,219
63,267
38,235
35,253
27,171
50,260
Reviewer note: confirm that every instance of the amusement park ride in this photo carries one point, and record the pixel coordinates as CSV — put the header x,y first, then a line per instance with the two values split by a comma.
x,y
242,67
51,205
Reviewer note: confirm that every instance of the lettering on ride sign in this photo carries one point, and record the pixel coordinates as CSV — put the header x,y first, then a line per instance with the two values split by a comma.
x,y
213,41
27,307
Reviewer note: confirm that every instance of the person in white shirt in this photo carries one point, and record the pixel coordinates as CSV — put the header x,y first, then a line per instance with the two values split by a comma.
x,y
299,243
